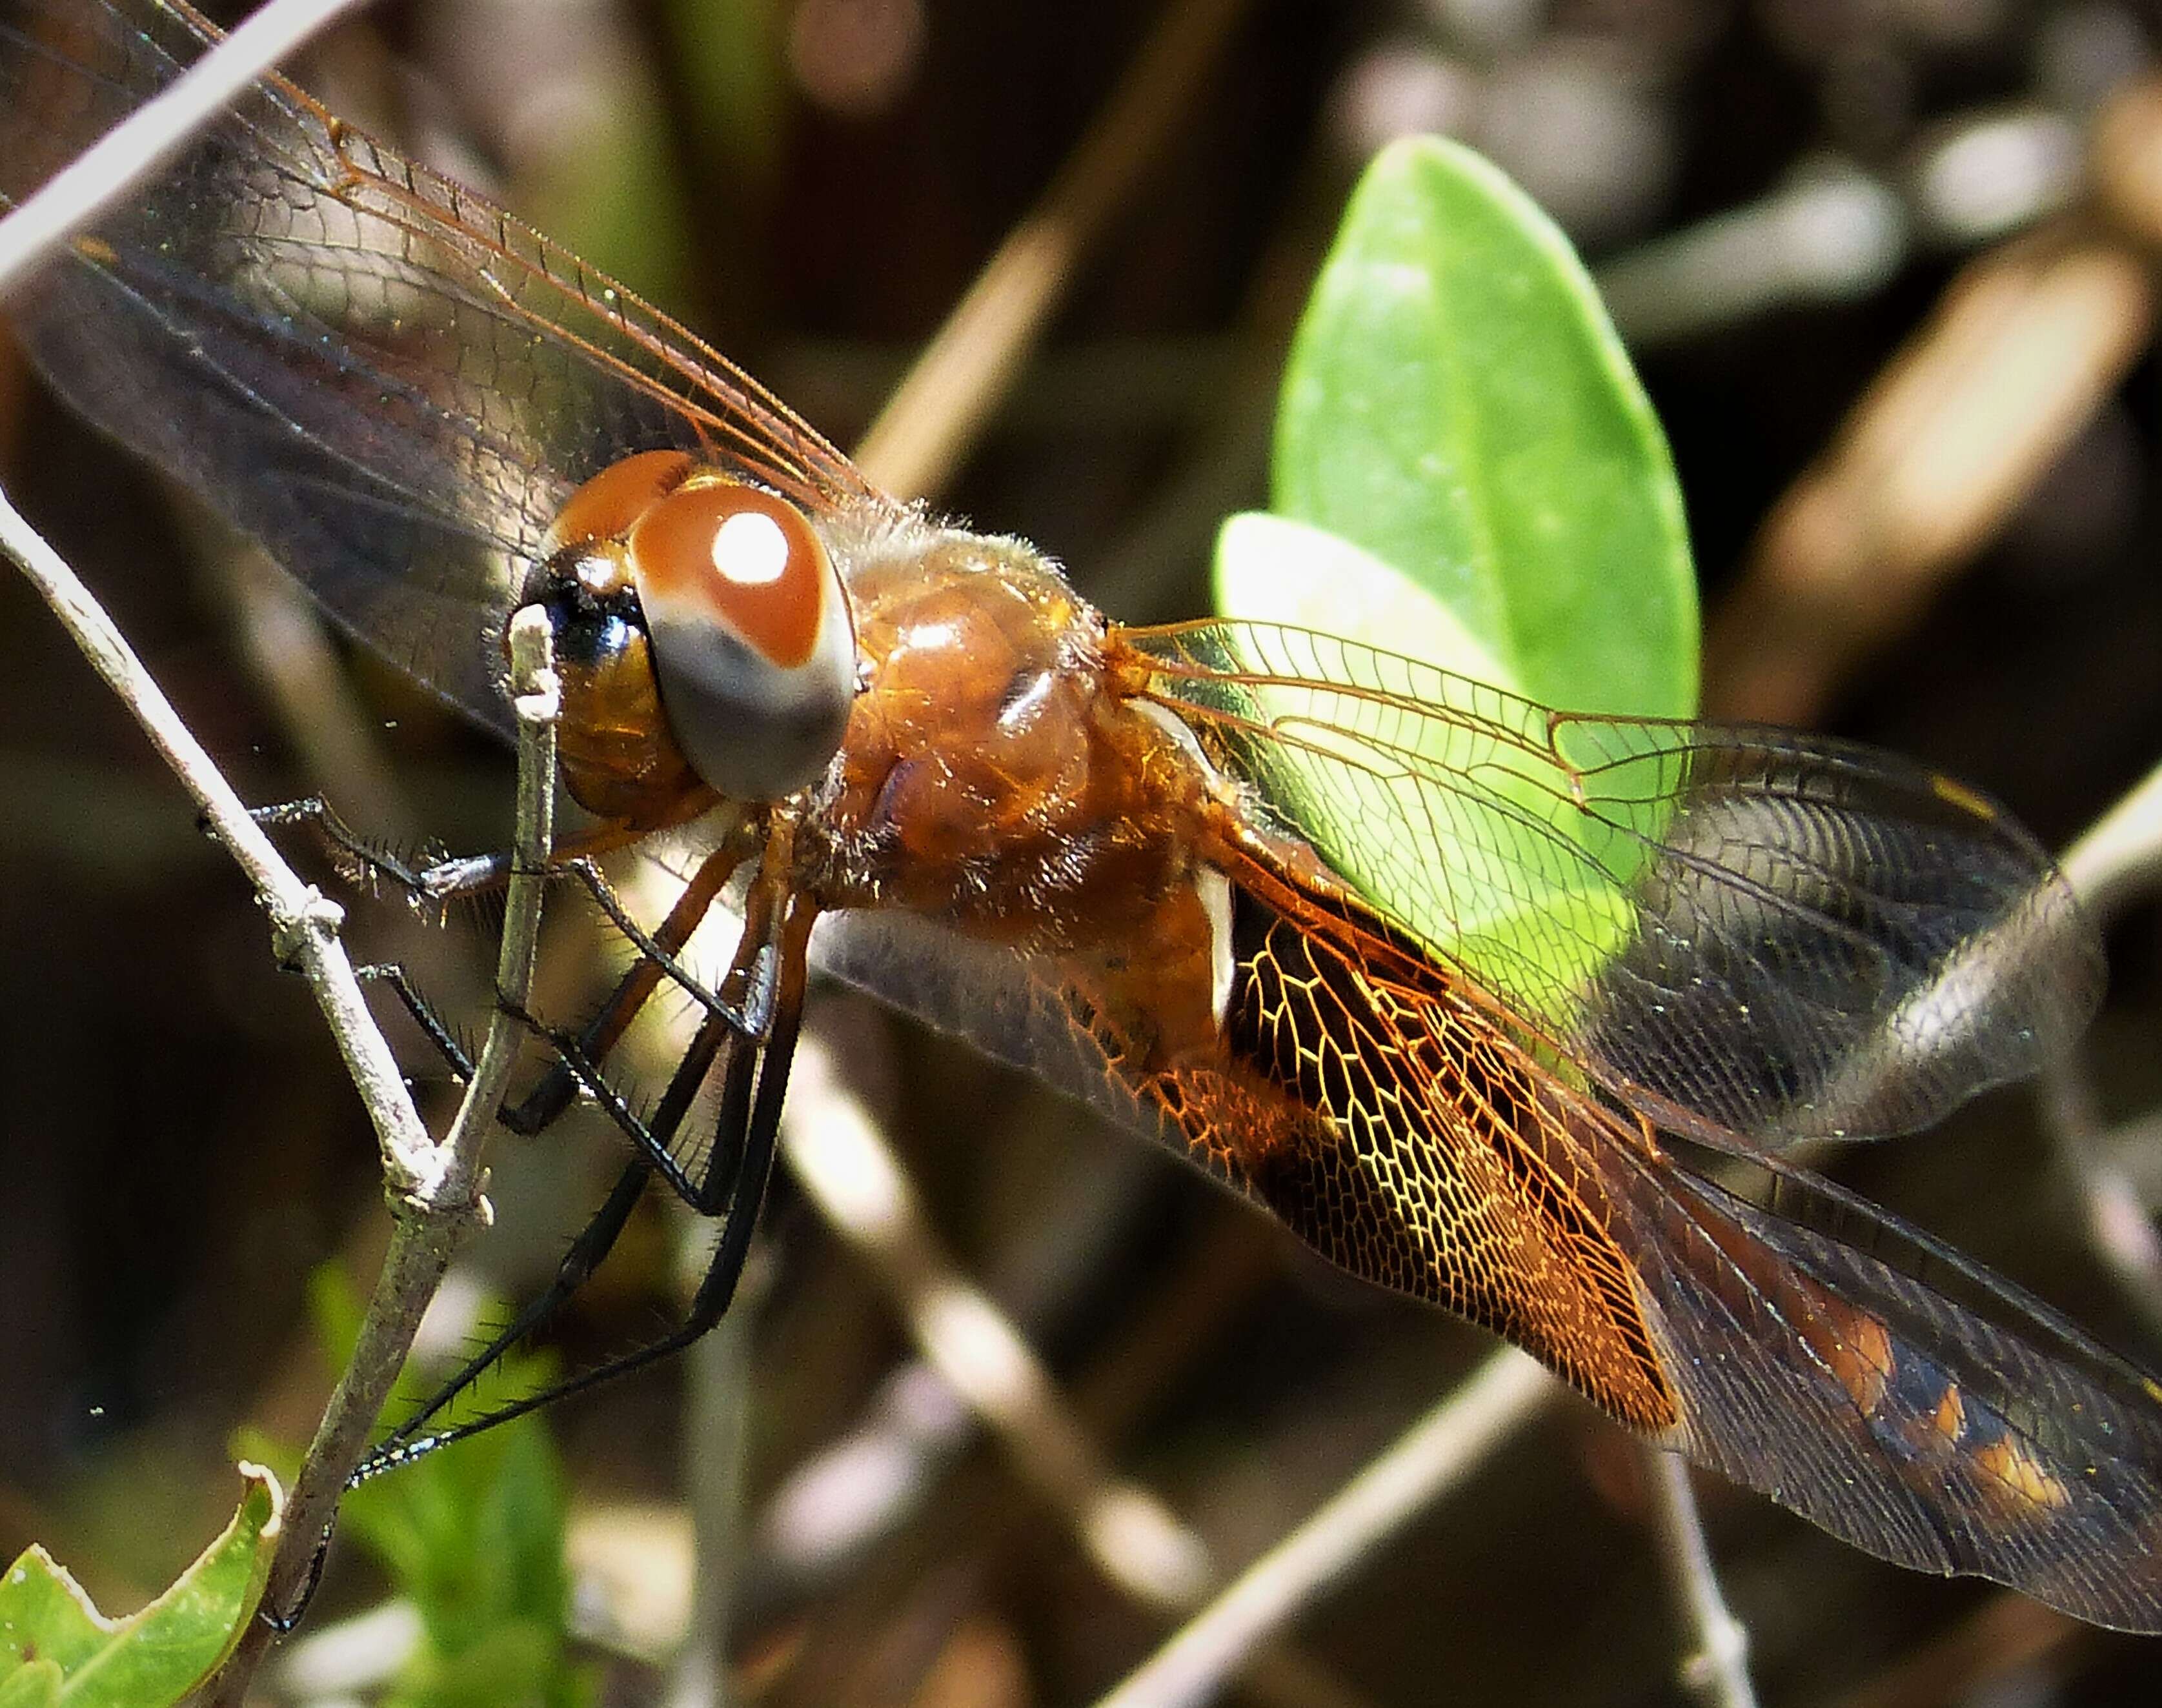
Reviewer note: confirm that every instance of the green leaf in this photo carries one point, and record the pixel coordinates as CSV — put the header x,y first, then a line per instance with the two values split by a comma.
x,y
1468,475
1457,403
56,1647
34,1684
45,1616
1498,867
1270,569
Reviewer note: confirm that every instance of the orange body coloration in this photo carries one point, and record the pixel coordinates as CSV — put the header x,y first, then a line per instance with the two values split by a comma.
x,y
1105,853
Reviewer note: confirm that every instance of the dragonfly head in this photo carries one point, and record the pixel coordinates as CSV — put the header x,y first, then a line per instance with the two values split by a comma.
x,y
704,627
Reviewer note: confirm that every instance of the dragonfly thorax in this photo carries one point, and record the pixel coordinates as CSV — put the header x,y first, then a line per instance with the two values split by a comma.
x,y
994,776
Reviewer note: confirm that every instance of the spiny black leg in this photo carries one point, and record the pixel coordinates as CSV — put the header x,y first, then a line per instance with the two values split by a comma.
x,y
586,1252
358,859
751,984
651,949
712,1192
283,1620
744,1011
434,882
423,1014
708,1193
725,1268
656,1137
559,1085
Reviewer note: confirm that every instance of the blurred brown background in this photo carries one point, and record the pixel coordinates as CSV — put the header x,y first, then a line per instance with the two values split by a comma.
x,y
1791,200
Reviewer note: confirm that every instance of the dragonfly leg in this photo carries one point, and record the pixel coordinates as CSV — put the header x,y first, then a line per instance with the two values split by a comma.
x,y
423,1014
362,861
710,1191
654,1136
741,1160
734,1028
576,1059
426,883
657,953
585,1254
711,1188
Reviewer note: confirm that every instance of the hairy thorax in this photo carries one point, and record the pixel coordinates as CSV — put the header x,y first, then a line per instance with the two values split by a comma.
x,y
993,776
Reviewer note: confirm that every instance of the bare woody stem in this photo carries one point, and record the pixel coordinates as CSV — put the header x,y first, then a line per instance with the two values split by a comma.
x,y
434,1190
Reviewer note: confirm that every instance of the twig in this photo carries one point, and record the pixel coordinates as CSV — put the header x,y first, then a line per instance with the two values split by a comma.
x,y
2116,860
304,923
1933,460
151,135
716,1435
1716,1670
537,698
1428,1461
918,438
433,1188
2119,856
1835,234
1133,1539
429,1217
2024,346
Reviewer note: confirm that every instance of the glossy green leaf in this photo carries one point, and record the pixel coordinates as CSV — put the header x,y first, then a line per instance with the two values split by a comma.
x,y
56,1647
1468,475
1457,403
1499,868
1272,569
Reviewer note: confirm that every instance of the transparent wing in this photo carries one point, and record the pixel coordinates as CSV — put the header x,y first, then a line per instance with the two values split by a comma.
x,y
1772,1326
1790,1335
1741,931
1820,1355
386,380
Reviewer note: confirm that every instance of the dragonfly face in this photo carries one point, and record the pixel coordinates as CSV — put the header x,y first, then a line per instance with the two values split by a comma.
x,y
704,640
1262,893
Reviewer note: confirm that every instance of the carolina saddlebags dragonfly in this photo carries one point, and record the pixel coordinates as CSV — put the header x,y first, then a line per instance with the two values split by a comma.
x,y
1100,851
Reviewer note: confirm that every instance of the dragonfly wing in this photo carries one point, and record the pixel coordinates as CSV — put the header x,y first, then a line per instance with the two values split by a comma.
x,y
1758,931
1809,1345
1014,1009
1792,1337
427,587
1829,941
385,379
1983,1436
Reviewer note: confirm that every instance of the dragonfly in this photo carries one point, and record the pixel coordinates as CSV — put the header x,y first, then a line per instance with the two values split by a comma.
x,y
1215,878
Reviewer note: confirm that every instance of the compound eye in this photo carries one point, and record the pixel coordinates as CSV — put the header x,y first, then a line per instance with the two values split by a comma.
x,y
752,643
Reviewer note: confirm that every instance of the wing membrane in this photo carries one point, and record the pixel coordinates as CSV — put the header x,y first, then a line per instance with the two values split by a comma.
x,y
1990,1438
1755,931
1798,1338
385,379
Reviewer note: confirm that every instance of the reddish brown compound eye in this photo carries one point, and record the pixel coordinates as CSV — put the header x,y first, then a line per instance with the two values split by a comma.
x,y
606,506
751,638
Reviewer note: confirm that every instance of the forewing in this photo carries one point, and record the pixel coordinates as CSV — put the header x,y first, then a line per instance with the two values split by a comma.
x,y
383,377
1742,931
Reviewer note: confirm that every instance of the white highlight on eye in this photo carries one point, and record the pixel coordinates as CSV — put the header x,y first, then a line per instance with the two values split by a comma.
x,y
750,549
